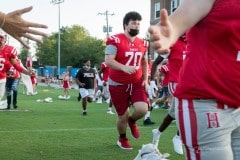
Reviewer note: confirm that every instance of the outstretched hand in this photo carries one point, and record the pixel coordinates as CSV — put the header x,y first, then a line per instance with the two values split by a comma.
x,y
19,28
161,34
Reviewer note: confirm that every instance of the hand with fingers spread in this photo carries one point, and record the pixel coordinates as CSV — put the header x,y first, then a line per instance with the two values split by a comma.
x,y
18,28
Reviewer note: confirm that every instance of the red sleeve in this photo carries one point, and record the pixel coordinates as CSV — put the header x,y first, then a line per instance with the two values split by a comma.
x,y
18,67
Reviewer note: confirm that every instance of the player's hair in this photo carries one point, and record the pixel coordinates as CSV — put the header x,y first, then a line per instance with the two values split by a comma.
x,y
132,15
85,61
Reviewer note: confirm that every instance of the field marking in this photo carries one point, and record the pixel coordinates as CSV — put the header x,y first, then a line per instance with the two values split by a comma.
x,y
70,129
14,110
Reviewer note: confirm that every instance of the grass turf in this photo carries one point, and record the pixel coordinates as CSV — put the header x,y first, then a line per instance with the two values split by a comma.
x,y
58,131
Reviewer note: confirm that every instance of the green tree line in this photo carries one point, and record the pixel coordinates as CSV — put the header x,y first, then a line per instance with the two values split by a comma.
x,y
76,46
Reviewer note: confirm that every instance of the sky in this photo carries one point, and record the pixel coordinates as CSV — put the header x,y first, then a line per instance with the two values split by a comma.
x,y
82,12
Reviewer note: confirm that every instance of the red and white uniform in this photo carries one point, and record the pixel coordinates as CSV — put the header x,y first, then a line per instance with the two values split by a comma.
x,y
12,73
164,69
128,53
211,56
105,71
175,60
6,54
131,89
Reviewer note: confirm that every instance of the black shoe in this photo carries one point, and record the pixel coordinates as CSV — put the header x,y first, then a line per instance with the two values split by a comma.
x,y
8,107
148,121
15,106
84,113
79,98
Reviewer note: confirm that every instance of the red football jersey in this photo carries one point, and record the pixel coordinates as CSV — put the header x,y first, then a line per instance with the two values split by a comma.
x,y
12,73
105,71
128,53
175,60
6,54
164,69
211,69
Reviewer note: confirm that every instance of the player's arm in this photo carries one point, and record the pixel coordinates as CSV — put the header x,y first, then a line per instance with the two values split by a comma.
x,y
157,61
144,64
18,67
110,56
77,78
95,82
170,28
100,73
188,14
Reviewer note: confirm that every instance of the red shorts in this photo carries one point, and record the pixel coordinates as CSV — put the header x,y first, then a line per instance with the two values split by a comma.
x,y
123,96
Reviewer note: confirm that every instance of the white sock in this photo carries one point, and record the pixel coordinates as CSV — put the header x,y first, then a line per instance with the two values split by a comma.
x,y
147,115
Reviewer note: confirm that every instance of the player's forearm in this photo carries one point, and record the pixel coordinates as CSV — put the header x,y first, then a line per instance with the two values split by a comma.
x,y
26,72
112,63
145,70
158,60
189,13
153,72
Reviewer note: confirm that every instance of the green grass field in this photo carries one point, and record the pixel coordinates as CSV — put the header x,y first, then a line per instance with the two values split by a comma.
x,y
58,131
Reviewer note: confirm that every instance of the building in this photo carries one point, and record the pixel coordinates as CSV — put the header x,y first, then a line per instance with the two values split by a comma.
x,y
156,6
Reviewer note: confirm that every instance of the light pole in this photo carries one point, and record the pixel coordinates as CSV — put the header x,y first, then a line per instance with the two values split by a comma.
x,y
106,14
58,2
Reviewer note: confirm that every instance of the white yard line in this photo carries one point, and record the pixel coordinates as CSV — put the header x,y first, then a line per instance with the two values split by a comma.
x,y
70,129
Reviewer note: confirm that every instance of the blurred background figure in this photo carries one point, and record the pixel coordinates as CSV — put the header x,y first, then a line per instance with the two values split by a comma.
x,y
66,85
34,81
12,82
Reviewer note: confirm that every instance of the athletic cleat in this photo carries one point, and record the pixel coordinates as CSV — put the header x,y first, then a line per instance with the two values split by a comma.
x,y
79,97
123,143
99,100
177,144
134,129
155,106
148,121
110,112
156,136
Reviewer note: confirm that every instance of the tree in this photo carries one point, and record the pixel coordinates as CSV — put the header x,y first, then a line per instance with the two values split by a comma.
x,y
76,45
23,55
